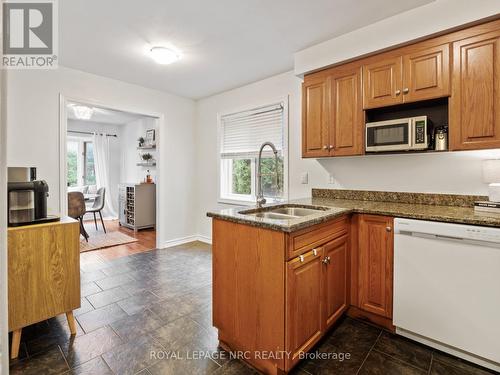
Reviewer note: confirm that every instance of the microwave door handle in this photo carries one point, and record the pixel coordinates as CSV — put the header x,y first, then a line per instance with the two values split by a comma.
x,y
411,133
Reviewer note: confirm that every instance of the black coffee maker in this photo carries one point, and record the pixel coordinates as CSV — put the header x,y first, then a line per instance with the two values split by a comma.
x,y
27,198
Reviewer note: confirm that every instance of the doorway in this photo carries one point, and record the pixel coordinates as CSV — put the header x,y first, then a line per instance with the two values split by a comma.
x,y
110,160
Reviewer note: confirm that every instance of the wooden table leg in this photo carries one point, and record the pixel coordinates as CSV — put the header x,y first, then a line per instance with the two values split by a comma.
x,y
16,341
71,322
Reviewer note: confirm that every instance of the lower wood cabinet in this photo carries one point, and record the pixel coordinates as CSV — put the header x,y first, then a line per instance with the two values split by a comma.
x,y
375,264
335,279
304,302
278,292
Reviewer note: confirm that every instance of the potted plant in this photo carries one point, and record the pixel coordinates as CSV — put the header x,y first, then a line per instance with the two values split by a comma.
x,y
141,141
147,157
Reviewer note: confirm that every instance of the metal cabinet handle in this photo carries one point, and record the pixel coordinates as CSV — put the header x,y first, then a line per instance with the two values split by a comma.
x,y
330,147
388,229
326,260
398,92
315,252
301,258
325,147
406,90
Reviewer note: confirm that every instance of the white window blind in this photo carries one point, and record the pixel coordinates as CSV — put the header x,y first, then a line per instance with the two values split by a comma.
x,y
244,132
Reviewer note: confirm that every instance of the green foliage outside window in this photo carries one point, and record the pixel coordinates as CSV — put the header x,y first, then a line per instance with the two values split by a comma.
x,y
242,180
242,177
72,168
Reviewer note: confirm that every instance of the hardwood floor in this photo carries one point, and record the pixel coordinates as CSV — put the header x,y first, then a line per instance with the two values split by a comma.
x,y
146,241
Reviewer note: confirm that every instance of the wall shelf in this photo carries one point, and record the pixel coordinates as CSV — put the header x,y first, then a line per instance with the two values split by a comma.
x,y
146,164
147,148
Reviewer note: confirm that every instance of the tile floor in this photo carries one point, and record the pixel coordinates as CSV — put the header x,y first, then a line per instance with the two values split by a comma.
x,y
161,301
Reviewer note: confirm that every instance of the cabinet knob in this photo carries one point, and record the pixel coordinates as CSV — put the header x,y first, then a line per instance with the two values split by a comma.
x,y
330,147
301,258
315,252
388,229
406,90
325,147
326,260
398,92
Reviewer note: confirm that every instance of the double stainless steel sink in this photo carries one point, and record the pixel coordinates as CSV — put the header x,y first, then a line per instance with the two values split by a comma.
x,y
287,212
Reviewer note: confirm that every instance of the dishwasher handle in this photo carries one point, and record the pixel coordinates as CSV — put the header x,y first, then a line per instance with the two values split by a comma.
x,y
440,237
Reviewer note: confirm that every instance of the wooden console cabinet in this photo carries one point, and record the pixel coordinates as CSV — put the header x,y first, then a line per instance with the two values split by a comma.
x,y
44,274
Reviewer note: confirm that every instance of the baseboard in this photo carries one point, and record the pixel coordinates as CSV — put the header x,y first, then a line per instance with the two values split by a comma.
x,y
183,240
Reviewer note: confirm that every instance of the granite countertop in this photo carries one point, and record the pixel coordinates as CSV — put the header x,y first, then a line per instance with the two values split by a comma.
x,y
332,208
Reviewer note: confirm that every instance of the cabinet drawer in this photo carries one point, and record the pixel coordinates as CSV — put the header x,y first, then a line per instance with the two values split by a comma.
x,y
304,240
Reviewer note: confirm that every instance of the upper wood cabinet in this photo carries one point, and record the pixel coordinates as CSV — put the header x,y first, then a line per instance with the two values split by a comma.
x,y
426,74
382,83
475,100
304,303
315,117
332,115
375,267
419,75
335,287
347,118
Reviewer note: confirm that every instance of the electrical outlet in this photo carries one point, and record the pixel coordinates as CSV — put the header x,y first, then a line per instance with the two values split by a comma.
x,y
331,179
304,178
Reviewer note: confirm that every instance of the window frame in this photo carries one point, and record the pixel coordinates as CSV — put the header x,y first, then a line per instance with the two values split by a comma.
x,y
245,200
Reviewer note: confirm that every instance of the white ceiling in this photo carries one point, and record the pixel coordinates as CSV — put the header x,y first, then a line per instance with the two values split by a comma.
x,y
104,116
225,43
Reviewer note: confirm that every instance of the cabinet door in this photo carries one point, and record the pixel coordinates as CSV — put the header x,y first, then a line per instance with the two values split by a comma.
x,y
346,133
375,264
315,117
475,104
335,279
303,303
382,83
427,74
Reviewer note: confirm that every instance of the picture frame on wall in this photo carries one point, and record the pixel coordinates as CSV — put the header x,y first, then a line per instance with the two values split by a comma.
x,y
150,138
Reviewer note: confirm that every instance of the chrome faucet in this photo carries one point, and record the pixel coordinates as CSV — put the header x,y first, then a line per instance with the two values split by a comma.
x,y
260,195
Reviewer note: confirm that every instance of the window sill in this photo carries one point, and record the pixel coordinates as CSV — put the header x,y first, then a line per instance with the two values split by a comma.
x,y
236,202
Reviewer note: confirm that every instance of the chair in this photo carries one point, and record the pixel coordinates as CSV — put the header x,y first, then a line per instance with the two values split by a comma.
x,y
98,206
76,210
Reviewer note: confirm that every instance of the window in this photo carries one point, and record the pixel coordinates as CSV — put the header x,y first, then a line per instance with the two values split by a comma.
x,y
242,134
80,162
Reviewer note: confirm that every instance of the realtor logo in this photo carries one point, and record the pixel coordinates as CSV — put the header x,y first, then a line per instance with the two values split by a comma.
x,y
29,34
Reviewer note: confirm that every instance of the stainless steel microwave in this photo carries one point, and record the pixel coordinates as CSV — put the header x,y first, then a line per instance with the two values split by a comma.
x,y
397,135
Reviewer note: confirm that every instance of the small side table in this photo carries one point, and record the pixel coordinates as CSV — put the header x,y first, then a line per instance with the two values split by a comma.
x,y
44,275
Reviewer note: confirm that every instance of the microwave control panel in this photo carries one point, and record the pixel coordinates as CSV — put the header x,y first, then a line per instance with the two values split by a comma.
x,y
420,132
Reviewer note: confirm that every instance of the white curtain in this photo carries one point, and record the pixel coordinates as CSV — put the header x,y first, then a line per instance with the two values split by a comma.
x,y
101,165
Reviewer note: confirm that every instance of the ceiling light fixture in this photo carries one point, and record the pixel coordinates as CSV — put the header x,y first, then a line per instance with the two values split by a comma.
x,y
164,56
82,112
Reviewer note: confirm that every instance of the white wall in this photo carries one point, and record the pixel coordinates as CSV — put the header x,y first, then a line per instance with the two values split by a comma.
x,y
4,344
33,132
115,146
416,23
130,133
457,172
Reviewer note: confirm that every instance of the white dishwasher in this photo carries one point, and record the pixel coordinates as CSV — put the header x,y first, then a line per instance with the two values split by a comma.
x,y
447,288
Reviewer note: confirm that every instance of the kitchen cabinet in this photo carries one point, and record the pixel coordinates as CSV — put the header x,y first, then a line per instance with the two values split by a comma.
x,y
375,264
278,292
426,74
315,116
382,83
335,279
347,117
333,119
304,279
475,100
420,74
